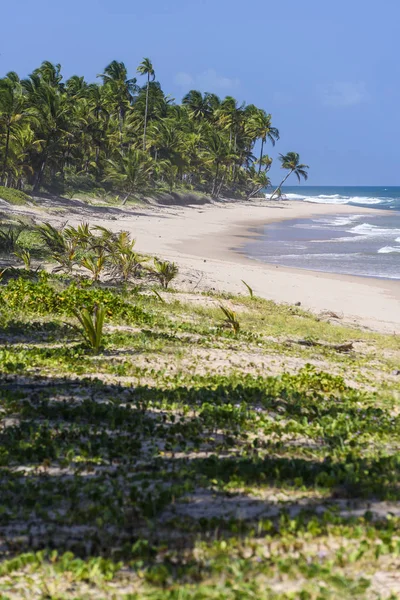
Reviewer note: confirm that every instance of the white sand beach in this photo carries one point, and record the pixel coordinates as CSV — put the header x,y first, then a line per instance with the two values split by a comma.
x,y
203,240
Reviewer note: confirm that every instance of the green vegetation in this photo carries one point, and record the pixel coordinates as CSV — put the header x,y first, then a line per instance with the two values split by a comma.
x,y
71,136
92,325
165,271
291,163
231,320
13,196
166,456
249,289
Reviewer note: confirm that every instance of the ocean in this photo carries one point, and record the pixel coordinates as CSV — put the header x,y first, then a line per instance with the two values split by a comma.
x,y
354,244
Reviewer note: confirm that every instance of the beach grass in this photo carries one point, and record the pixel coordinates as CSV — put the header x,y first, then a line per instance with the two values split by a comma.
x,y
187,461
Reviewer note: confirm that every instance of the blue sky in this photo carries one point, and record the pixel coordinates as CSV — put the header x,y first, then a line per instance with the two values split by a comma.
x,y
326,70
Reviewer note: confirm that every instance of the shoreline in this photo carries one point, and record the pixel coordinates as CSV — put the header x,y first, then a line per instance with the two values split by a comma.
x,y
205,242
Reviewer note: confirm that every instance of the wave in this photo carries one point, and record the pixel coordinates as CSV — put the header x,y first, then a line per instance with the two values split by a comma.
x,y
295,197
367,200
326,256
338,221
373,230
388,249
338,199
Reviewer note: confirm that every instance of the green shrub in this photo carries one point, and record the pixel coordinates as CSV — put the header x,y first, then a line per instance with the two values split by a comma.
x,y
14,196
42,298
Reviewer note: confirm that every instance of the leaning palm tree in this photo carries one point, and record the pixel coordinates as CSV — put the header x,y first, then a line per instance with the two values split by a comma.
x,y
146,68
291,162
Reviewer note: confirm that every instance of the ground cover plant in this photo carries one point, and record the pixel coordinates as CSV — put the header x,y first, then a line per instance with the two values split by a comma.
x,y
166,456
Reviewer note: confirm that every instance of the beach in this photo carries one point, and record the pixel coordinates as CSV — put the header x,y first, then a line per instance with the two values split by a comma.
x,y
206,241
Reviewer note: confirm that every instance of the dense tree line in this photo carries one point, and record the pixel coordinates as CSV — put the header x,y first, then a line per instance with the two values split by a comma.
x,y
57,135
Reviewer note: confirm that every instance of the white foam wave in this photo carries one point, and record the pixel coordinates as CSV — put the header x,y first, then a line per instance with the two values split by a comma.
x,y
388,249
365,200
337,199
326,256
397,239
295,197
373,231
339,221
328,199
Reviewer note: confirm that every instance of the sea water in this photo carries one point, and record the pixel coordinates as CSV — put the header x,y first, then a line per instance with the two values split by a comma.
x,y
353,244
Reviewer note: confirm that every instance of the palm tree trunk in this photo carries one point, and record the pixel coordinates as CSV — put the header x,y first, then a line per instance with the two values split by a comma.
x,y
120,122
281,184
215,180
39,175
145,112
125,200
3,177
261,154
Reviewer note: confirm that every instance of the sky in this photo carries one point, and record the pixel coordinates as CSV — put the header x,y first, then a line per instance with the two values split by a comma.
x,y
327,71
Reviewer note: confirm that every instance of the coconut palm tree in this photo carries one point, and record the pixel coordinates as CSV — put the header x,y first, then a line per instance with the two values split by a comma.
x,y
12,113
219,156
259,126
121,90
52,114
231,117
198,107
291,163
131,173
146,68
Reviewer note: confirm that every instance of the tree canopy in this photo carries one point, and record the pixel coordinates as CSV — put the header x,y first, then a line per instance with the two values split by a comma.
x,y
55,133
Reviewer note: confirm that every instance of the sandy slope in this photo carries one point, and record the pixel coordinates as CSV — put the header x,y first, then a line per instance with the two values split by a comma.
x,y
202,241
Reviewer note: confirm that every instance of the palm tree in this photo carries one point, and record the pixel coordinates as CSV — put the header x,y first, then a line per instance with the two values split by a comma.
x,y
130,172
219,156
291,162
146,68
52,121
256,181
121,89
60,133
51,74
259,126
231,118
12,114
198,107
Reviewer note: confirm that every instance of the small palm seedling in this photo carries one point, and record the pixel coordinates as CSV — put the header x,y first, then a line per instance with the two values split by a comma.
x,y
106,237
125,262
79,236
53,238
92,325
249,289
95,264
62,247
230,320
25,256
66,260
9,239
165,271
